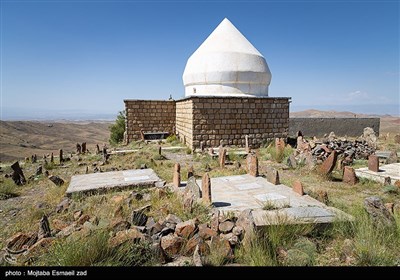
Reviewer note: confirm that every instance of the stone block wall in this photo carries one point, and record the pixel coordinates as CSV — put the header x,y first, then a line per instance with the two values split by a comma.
x,y
216,120
184,121
149,116
352,127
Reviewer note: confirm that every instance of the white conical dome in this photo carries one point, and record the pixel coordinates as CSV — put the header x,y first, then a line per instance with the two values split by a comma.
x,y
226,64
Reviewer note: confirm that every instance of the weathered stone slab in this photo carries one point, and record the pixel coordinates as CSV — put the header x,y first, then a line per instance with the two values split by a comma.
x,y
101,182
388,170
329,164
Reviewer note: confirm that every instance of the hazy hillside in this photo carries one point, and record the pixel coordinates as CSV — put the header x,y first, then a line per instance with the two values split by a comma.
x,y
331,114
19,139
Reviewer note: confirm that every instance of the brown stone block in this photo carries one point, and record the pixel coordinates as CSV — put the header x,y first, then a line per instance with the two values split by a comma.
x,y
373,163
349,176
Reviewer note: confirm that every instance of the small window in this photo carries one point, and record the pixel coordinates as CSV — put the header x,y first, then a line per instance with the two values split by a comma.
x,y
194,90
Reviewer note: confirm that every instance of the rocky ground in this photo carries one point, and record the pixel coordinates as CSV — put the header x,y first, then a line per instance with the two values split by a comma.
x,y
166,226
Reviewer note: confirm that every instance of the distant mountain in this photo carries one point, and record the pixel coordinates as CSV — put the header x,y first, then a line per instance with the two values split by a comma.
x,y
312,113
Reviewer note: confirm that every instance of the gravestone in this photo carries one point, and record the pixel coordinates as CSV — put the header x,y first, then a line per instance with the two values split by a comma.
x,y
222,156
246,138
17,175
373,163
83,147
252,165
349,176
298,187
177,175
329,164
78,148
273,176
60,153
191,186
206,188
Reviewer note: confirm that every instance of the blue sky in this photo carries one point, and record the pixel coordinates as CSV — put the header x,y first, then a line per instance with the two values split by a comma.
x,y
87,56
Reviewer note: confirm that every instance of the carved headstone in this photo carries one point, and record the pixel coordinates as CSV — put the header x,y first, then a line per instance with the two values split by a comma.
x,y
246,138
252,165
44,228
329,164
373,163
177,175
222,156
78,148
61,155
298,187
52,158
159,150
97,149
39,171
206,188
273,176
83,147
17,175
349,176
193,187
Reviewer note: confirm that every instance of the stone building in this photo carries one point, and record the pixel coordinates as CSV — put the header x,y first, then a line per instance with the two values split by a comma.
x,y
226,97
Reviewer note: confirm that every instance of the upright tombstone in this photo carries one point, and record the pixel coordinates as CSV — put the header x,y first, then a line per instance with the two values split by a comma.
x,y
246,138
78,148
201,146
190,172
83,147
279,144
61,155
177,175
373,163
52,158
159,150
222,156
17,175
273,176
252,165
44,228
349,176
206,188
34,158
298,187
97,149
329,164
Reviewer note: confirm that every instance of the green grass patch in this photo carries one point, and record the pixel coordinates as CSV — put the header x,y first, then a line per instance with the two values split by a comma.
x,y
94,251
8,189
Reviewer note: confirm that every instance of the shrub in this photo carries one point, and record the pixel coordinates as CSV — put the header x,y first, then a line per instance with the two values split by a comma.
x,y
118,128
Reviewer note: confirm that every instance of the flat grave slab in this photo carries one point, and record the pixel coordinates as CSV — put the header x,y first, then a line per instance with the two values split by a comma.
x,y
101,182
389,170
241,192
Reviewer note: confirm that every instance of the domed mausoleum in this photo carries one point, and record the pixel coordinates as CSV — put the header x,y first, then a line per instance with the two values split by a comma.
x,y
226,64
226,98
